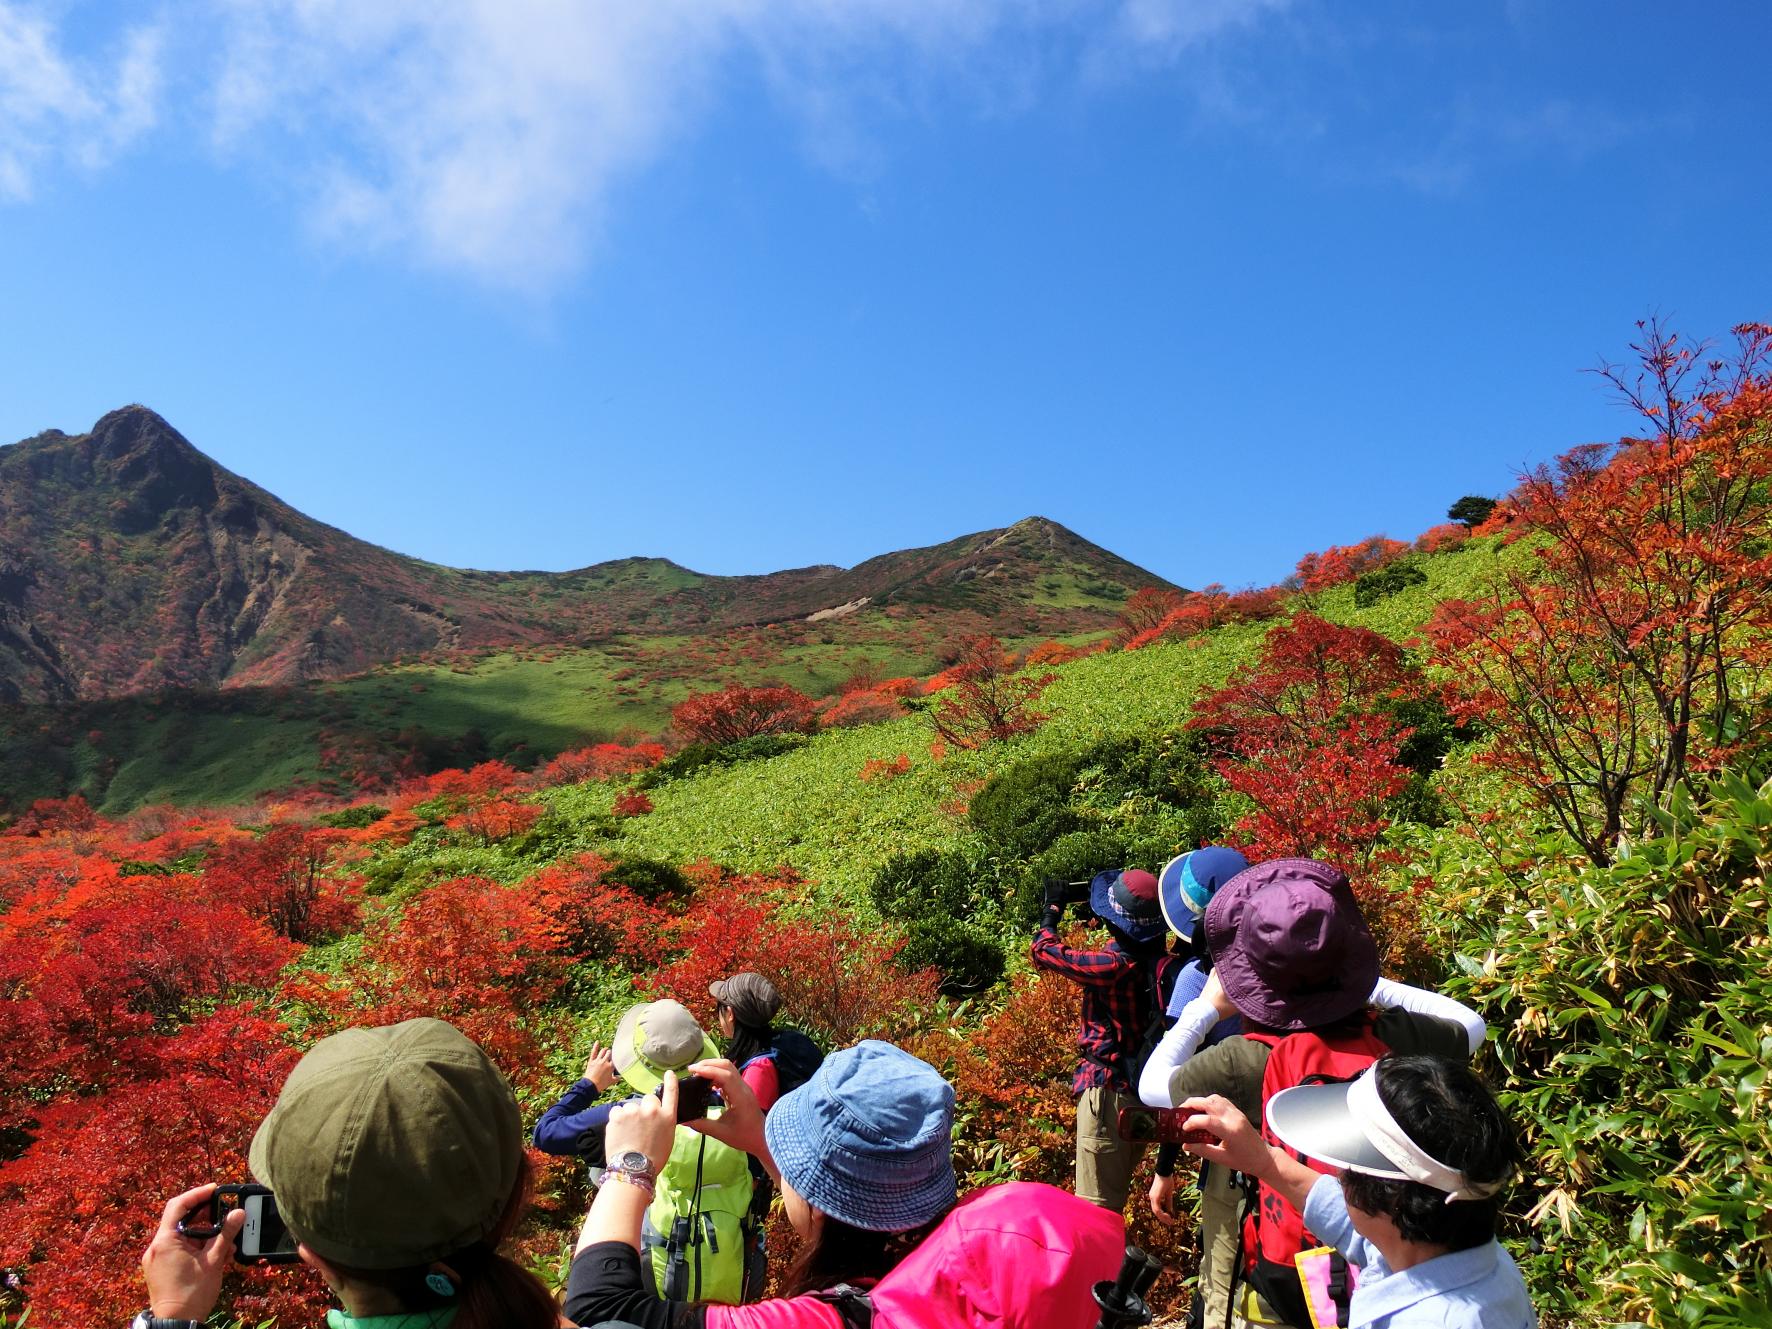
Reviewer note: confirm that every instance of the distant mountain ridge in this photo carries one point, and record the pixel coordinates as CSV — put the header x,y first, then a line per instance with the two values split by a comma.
x,y
131,562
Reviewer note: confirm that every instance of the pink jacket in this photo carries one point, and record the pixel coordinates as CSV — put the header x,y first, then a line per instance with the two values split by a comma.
x,y
1018,1256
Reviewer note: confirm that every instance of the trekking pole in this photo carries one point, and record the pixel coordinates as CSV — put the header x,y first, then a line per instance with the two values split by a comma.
x,y
1122,1300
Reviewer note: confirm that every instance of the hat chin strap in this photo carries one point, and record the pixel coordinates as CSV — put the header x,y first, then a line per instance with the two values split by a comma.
x,y
1377,1124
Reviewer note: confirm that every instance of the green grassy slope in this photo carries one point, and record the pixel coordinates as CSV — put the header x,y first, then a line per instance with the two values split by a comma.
x,y
810,810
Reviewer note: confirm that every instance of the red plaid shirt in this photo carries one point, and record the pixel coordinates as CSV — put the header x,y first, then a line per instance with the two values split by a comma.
x,y
1118,1006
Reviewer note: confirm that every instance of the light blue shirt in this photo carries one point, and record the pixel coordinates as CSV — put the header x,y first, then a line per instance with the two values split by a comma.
x,y
1479,1288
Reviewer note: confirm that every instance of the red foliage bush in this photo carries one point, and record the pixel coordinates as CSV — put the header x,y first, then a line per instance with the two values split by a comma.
x,y
462,951
492,819
78,1206
739,712
631,803
1438,539
989,699
1198,611
1341,563
867,706
1309,740
281,878
51,816
882,768
602,761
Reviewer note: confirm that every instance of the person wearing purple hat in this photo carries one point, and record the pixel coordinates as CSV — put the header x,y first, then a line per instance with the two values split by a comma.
x,y
1291,953
1124,987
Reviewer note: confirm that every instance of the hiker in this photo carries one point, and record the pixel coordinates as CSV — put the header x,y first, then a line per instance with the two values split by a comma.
x,y
1425,1152
701,1235
1292,955
399,1222
863,1153
1185,887
773,1061
1124,987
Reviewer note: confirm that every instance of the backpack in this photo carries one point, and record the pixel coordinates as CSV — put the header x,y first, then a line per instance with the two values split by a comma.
x,y
796,1058
697,1231
1273,1232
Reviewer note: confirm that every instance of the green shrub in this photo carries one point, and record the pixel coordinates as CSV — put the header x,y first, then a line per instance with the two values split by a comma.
x,y
1636,1008
709,756
935,898
1024,808
352,819
1077,856
649,879
1382,583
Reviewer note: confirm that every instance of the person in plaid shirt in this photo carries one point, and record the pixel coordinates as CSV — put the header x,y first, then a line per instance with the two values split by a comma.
x,y
1123,989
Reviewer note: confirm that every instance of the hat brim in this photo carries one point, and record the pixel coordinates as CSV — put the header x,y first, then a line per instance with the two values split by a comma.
x,y
1108,910
874,1204
632,1068
1315,1119
1176,913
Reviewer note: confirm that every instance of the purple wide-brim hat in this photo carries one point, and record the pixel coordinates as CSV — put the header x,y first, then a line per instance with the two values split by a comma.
x,y
1128,900
1290,944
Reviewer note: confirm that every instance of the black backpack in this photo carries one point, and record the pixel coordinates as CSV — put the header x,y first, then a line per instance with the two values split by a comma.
x,y
796,1058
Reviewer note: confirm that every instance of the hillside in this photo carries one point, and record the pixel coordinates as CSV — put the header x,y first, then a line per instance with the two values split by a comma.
x,y
132,563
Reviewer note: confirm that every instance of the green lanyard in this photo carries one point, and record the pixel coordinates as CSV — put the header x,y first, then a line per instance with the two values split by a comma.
x,y
435,1318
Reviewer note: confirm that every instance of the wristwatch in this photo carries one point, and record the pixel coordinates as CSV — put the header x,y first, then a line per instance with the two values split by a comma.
x,y
148,1320
630,1166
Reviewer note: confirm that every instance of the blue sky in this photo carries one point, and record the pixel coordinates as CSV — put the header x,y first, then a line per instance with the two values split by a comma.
x,y
753,284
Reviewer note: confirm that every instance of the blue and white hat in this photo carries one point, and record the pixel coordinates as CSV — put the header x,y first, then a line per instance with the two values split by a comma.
x,y
1187,882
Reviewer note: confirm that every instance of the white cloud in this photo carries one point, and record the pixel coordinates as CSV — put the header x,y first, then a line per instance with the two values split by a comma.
x,y
491,137
55,108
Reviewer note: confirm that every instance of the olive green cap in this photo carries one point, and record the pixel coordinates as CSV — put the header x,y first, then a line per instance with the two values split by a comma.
x,y
391,1147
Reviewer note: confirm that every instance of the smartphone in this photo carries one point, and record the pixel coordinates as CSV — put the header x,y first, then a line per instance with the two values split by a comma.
x,y
264,1239
1160,1126
694,1097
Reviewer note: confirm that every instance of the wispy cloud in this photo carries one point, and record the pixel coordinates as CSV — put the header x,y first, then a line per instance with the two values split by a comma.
x,y
55,108
492,137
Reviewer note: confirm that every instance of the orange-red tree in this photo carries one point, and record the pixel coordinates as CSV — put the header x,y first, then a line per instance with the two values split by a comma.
x,y
1634,652
1310,736
986,698
739,712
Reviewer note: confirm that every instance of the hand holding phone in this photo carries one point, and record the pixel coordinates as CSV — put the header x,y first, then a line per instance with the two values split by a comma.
x,y
261,1238
695,1095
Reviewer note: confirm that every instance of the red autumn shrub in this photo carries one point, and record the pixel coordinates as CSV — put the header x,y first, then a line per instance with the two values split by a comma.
x,y
464,951
1341,563
602,761
1634,653
989,699
281,878
1308,737
587,918
52,816
1145,608
1199,611
867,706
736,712
882,768
631,803
1438,539
489,820
79,1204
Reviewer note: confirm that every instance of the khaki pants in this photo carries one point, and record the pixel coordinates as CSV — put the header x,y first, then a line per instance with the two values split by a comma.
x,y
1221,1205
1104,1161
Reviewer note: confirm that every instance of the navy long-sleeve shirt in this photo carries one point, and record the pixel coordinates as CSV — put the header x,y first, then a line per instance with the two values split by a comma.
x,y
574,1125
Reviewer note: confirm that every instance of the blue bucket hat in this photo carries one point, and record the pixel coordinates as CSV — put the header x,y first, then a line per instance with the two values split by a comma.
x,y
1187,882
868,1139
1128,900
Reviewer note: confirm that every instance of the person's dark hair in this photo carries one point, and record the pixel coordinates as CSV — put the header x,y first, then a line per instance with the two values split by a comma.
x,y
1446,1109
492,1290
845,1254
748,1040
